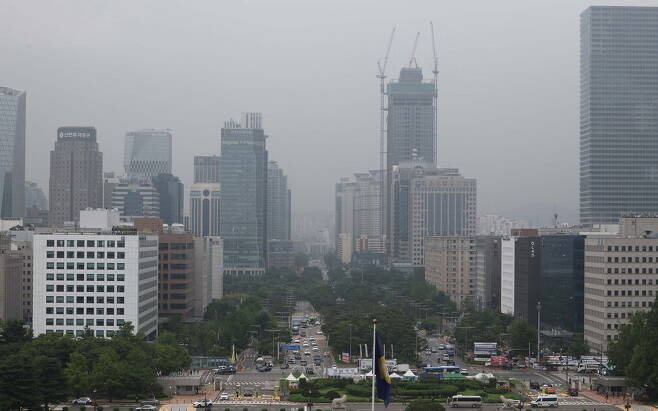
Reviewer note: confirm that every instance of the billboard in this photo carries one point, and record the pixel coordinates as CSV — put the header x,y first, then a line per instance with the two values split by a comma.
x,y
76,133
485,348
290,347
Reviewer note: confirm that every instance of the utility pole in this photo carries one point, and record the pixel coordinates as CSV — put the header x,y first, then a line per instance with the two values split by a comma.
x,y
350,342
538,328
274,332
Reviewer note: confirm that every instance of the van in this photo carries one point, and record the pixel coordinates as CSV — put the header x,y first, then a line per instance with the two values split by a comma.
x,y
545,401
465,401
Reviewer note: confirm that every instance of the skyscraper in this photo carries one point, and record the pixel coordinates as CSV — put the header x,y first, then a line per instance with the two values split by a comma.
x,y
171,192
243,178
206,169
134,198
76,174
12,152
618,113
205,209
147,153
278,207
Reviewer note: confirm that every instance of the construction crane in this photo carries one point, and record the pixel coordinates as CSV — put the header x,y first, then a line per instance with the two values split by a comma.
x,y
382,133
435,71
412,60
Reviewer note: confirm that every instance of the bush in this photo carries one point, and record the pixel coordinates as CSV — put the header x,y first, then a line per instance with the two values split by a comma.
x,y
332,394
358,390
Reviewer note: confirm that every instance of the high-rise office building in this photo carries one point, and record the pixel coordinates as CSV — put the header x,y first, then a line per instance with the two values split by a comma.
x,y
206,169
205,209
171,192
278,203
243,178
35,197
76,174
147,153
618,113
621,278
136,199
12,152
95,280
208,272
176,274
345,227
519,277
451,267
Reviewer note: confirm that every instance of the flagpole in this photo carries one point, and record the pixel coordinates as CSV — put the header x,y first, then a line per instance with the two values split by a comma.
x,y
374,371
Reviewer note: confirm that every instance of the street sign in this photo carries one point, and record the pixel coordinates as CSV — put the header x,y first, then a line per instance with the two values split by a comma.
x,y
290,347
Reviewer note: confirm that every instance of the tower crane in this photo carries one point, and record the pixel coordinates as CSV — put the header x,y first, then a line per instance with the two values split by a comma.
x,y
412,60
382,135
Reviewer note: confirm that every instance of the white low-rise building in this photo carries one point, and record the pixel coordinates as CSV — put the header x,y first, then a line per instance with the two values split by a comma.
x,y
97,280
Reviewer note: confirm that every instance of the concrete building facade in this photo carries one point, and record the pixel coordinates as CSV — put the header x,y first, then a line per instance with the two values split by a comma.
x,y
206,169
208,272
98,280
76,174
205,209
176,274
451,267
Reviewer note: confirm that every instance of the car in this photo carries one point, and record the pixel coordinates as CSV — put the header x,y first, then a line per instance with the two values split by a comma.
x,y
248,393
545,401
433,350
146,407
464,371
442,347
307,352
573,392
318,332
153,402
202,404
284,366
303,363
305,344
316,349
309,370
224,396
82,401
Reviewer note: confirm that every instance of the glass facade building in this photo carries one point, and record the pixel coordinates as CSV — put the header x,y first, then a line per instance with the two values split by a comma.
x,y
618,113
561,283
171,192
147,154
243,180
12,152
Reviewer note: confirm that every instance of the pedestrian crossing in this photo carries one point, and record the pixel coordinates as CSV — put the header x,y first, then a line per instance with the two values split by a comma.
x,y
579,401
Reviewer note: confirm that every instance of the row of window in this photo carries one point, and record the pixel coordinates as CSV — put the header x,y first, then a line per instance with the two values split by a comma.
x,y
637,248
630,270
82,322
81,288
630,293
629,281
630,304
80,333
87,243
89,277
80,300
81,266
631,259
82,254
83,311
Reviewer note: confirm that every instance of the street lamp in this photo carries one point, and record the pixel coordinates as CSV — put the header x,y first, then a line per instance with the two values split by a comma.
x,y
538,328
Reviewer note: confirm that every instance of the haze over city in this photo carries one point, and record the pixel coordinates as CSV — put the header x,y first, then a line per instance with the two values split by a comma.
x,y
507,100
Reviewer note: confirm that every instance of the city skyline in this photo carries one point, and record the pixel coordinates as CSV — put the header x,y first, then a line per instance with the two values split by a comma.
x,y
473,80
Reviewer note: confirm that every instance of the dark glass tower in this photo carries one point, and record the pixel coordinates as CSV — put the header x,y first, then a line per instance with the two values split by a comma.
x,y
618,113
243,180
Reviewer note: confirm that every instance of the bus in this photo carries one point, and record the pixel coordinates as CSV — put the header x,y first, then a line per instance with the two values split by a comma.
x,y
465,401
442,369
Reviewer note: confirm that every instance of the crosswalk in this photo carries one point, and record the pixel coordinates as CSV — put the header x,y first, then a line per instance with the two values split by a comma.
x,y
579,401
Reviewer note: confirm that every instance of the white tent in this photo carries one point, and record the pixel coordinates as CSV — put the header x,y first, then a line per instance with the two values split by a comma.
x,y
395,376
409,375
302,376
291,378
369,374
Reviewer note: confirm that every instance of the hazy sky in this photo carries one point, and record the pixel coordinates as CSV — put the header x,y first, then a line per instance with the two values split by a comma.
x,y
508,83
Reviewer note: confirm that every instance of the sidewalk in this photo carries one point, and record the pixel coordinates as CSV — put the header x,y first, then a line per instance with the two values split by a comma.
x,y
617,401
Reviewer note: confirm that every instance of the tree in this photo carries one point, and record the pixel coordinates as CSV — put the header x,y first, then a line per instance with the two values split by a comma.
x,y
521,335
301,260
170,358
578,346
425,405
107,374
13,332
77,374
16,382
49,382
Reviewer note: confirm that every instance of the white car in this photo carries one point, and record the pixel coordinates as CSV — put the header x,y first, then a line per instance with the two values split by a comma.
x,y
146,407
545,401
318,332
305,344
202,404
224,396
307,352
316,349
82,401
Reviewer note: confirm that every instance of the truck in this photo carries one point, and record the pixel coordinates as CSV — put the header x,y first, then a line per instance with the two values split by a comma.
x,y
499,361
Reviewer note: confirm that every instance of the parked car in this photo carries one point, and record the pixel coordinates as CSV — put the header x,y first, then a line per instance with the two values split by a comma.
x,y
248,393
309,370
202,404
146,407
303,363
545,401
82,401
153,402
573,392
224,396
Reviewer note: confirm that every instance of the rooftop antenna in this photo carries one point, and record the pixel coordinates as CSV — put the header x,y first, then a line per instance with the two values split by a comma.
x,y
412,60
381,66
435,71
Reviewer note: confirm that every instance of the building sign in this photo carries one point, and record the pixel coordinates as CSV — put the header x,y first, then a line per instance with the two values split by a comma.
x,y
76,133
290,347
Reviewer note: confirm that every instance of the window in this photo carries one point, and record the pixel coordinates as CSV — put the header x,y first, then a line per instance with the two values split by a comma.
x,y
50,265
80,254
119,311
50,276
60,254
110,243
110,266
59,299
100,311
60,266
110,311
90,266
79,321
99,300
50,288
100,266
100,322
49,310
50,254
90,277
109,322
80,277
100,277
69,299
120,288
119,300
80,243
121,244
90,311
49,321
121,255
89,322
121,277
79,310
80,266
80,300
60,277
90,254
100,243
90,300
110,300
60,243
69,321
110,277
100,289
50,243
110,288
90,288
100,254
120,322
70,277
90,243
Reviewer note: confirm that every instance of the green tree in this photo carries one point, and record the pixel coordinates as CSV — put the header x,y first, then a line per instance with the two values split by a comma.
x,y
16,382
170,358
521,335
77,374
578,346
301,260
107,375
13,332
49,381
425,405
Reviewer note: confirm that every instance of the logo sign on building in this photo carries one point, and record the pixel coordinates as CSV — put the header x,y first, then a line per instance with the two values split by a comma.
x,y
76,133
290,347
